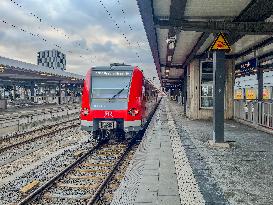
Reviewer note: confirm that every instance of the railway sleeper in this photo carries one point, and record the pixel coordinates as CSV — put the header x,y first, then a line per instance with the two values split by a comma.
x,y
81,180
93,170
91,177
69,197
78,186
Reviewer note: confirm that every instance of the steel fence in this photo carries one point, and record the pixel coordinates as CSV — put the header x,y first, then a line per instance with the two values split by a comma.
x,y
258,113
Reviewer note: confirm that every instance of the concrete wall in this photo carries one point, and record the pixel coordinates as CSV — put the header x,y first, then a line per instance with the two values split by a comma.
x,y
193,98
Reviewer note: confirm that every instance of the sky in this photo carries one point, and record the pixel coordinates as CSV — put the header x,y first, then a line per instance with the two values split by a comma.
x,y
89,32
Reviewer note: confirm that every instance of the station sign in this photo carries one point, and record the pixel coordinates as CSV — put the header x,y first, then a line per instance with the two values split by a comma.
x,y
220,43
246,68
111,73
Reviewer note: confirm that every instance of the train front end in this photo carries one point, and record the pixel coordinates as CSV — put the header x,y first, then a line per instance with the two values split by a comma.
x,y
112,102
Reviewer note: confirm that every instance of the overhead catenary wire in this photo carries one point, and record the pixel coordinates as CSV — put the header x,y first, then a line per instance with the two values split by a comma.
x,y
41,20
124,20
38,36
117,26
56,29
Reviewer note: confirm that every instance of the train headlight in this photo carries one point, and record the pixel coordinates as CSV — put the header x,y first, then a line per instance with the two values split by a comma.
x,y
85,111
133,112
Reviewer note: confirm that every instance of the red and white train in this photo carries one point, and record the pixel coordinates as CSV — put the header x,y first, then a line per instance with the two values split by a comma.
x,y
116,101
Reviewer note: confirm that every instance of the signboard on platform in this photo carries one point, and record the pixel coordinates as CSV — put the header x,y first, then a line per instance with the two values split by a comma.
x,y
238,94
267,93
251,93
220,43
246,68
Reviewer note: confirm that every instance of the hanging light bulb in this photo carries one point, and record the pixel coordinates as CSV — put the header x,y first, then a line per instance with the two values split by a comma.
x,y
2,68
171,45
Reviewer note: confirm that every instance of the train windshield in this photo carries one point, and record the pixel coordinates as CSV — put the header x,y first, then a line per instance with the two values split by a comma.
x,y
110,89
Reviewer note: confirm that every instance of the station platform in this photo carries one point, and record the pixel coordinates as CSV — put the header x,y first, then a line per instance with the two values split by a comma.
x,y
20,120
18,112
176,165
30,109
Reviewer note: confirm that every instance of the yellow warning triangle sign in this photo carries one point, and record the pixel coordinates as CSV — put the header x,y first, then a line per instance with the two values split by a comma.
x,y
220,43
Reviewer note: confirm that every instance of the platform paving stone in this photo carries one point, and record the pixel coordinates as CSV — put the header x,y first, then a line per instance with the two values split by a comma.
x,y
175,164
153,177
240,175
157,180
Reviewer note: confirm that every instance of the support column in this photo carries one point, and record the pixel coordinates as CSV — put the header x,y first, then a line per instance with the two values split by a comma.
x,y
14,91
193,89
60,93
218,96
260,79
65,89
185,90
32,90
65,94
5,88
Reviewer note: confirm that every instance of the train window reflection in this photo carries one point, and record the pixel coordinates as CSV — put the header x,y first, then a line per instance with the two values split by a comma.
x,y
108,87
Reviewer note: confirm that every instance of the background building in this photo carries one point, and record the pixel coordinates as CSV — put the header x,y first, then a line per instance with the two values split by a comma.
x,y
52,58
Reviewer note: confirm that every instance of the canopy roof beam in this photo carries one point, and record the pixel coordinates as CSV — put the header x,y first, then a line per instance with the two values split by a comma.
x,y
250,28
177,9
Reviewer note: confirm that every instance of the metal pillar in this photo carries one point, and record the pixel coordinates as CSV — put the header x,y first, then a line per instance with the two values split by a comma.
x,y
65,90
260,79
5,88
218,95
14,91
60,93
32,90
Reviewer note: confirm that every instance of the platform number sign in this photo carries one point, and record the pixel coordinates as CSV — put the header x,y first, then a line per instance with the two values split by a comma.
x,y
220,43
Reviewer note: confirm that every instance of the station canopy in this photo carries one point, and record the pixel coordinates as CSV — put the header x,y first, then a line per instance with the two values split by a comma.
x,y
181,30
13,70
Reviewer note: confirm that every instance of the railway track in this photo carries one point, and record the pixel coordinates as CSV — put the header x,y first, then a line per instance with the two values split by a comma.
x,y
30,136
82,181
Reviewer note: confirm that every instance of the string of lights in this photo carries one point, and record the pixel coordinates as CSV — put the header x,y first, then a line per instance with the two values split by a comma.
x,y
118,26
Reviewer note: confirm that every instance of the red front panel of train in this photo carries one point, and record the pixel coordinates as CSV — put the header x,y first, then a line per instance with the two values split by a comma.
x,y
133,101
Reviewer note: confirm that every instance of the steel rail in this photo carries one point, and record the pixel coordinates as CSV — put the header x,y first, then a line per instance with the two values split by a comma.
x,y
98,192
48,184
138,136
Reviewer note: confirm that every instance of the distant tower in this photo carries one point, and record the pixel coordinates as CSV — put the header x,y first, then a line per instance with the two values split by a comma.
x,y
52,58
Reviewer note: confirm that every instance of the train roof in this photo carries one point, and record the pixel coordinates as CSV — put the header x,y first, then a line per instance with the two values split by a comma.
x,y
114,67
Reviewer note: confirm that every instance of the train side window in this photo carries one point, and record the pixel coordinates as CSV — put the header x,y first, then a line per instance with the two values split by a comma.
x,y
143,92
